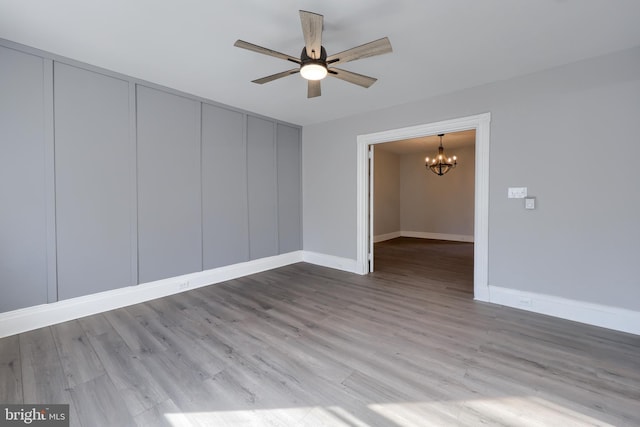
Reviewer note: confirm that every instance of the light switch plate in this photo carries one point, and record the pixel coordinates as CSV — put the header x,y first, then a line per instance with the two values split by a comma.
x,y
530,203
517,192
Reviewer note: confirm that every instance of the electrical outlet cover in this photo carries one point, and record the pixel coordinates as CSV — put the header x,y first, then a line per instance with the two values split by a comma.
x,y
517,192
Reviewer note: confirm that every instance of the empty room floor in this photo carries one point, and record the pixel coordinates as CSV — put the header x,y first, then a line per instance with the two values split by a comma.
x,y
305,345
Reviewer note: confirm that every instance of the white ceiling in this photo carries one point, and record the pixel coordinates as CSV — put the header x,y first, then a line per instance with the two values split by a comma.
x,y
439,46
429,144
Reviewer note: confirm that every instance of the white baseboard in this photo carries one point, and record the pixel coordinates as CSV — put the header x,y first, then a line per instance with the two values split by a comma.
x,y
616,318
437,236
338,263
387,236
423,235
26,319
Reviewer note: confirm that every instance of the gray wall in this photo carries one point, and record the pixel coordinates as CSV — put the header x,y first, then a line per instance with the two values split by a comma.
x,y
23,222
225,217
386,187
289,188
108,181
438,204
263,201
169,188
550,131
95,171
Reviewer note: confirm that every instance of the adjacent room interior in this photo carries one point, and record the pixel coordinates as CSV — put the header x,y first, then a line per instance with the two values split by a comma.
x,y
193,230
411,200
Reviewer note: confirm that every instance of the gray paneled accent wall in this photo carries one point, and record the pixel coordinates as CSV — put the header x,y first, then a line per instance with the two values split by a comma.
x,y
289,188
263,197
23,241
107,181
93,178
169,193
225,216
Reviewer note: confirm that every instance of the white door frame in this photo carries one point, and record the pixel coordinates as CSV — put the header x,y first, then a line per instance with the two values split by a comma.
x,y
481,124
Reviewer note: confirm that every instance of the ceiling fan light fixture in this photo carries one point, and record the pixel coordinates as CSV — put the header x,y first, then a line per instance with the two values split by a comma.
x,y
313,64
313,71
313,68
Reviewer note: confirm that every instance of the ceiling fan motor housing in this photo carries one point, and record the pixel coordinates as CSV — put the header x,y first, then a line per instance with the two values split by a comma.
x,y
306,60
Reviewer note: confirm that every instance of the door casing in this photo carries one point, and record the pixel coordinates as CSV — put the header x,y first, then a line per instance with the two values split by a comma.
x,y
481,124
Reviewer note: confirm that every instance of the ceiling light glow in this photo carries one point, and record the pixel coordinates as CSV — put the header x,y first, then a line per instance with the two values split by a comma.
x,y
313,71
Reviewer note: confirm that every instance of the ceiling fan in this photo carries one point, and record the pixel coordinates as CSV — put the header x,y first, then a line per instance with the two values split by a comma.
x,y
314,64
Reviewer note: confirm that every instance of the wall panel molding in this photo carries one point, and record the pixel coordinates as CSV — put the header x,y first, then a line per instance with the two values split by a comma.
x,y
50,183
44,271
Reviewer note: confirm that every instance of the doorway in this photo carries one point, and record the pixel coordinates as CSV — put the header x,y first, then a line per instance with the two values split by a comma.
x,y
365,238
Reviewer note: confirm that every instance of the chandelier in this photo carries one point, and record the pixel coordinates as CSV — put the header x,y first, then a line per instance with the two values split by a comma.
x,y
441,164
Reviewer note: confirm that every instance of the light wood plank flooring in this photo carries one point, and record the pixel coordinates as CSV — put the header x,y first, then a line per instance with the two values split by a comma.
x,y
309,346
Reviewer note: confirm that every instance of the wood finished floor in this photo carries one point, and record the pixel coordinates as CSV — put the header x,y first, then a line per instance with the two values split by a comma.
x,y
308,346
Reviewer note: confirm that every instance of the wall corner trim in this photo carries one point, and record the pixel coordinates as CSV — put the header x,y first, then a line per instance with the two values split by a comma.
x,y
616,318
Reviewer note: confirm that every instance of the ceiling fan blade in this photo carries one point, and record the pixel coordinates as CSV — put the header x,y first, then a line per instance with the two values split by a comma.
x,y
313,88
355,78
263,50
377,47
276,76
312,31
